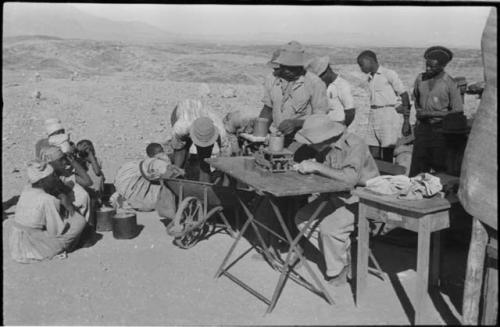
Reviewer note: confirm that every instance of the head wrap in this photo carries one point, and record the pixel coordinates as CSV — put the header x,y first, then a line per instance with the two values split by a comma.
x,y
152,168
61,141
38,170
53,125
439,53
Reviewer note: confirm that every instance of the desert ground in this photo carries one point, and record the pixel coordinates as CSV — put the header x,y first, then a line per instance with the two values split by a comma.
x,y
120,96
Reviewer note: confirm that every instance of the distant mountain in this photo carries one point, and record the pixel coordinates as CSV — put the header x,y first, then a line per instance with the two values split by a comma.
x,y
66,21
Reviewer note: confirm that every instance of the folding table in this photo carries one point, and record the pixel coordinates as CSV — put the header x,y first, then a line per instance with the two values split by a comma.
x,y
272,186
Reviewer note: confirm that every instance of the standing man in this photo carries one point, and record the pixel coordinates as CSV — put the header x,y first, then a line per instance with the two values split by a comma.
x,y
293,93
338,92
436,96
384,119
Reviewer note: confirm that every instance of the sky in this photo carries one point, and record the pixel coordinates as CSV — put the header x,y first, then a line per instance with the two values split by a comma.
x,y
406,25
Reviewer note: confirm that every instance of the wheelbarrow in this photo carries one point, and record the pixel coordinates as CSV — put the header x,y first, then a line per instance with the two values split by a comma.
x,y
199,204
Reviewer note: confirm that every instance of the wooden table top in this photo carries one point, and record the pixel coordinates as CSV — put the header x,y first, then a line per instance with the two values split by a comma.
x,y
424,206
290,183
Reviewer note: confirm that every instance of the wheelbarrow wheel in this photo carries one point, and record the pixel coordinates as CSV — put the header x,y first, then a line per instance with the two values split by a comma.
x,y
188,216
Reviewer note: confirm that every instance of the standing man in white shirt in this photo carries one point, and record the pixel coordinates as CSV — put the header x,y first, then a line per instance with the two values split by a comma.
x,y
384,121
338,92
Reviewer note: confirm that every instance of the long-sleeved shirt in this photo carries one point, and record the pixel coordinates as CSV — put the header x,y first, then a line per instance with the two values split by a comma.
x,y
437,94
297,99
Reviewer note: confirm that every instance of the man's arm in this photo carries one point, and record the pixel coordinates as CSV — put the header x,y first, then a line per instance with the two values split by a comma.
x,y
348,174
81,176
456,104
347,100
266,112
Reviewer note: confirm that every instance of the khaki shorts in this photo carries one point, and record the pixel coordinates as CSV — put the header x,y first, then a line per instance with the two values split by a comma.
x,y
384,127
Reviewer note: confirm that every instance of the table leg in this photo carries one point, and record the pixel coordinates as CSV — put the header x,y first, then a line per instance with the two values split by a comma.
x,y
423,252
362,256
293,249
474,273
435,259
228,255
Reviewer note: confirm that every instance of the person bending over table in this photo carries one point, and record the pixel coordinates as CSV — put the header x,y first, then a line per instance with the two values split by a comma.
x,y
347,159
235,123
45,223
193,122
292,93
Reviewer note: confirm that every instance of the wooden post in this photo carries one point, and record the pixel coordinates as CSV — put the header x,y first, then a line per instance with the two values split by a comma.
x,y
490,293
474,273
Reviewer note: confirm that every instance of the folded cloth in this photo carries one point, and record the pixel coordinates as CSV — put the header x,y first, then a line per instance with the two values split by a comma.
x,y
388,184
422,186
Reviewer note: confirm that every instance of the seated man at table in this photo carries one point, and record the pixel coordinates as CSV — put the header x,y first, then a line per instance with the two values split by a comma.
x,y
343,157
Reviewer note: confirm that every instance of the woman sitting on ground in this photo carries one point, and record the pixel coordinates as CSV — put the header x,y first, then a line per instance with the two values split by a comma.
x,y
71,174
138,182
44,225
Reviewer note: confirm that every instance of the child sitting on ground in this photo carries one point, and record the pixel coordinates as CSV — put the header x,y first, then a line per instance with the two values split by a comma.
x,y
85,153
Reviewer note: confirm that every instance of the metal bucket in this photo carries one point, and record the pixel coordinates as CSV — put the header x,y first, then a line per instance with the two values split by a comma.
x,y
124,225
261,127
104,216
276,143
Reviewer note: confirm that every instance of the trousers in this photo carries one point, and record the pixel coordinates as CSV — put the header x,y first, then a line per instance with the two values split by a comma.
x,y
331,231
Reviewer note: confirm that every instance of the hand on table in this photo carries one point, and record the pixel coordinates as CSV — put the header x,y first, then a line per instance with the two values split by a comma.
x,y
308,166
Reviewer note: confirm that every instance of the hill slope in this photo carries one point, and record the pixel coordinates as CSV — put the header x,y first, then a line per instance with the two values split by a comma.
x,y
66,21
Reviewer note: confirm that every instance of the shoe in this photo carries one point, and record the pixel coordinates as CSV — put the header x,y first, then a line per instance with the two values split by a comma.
x,y
341,278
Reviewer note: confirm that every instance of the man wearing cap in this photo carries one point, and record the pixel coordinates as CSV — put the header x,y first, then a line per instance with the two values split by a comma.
x,y
346,159
436,96
41,229
193,122
71,174
384,121
293,93
53,127
340,100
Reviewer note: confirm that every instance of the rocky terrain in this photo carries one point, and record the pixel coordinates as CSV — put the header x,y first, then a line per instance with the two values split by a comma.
x,y
120,96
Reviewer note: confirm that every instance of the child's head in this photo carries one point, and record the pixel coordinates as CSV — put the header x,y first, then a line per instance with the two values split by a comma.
x,y
85,144
154,149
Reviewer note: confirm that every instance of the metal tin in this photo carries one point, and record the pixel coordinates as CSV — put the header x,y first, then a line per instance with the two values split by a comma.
x,y
276,143
124,225
104,216
261,127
